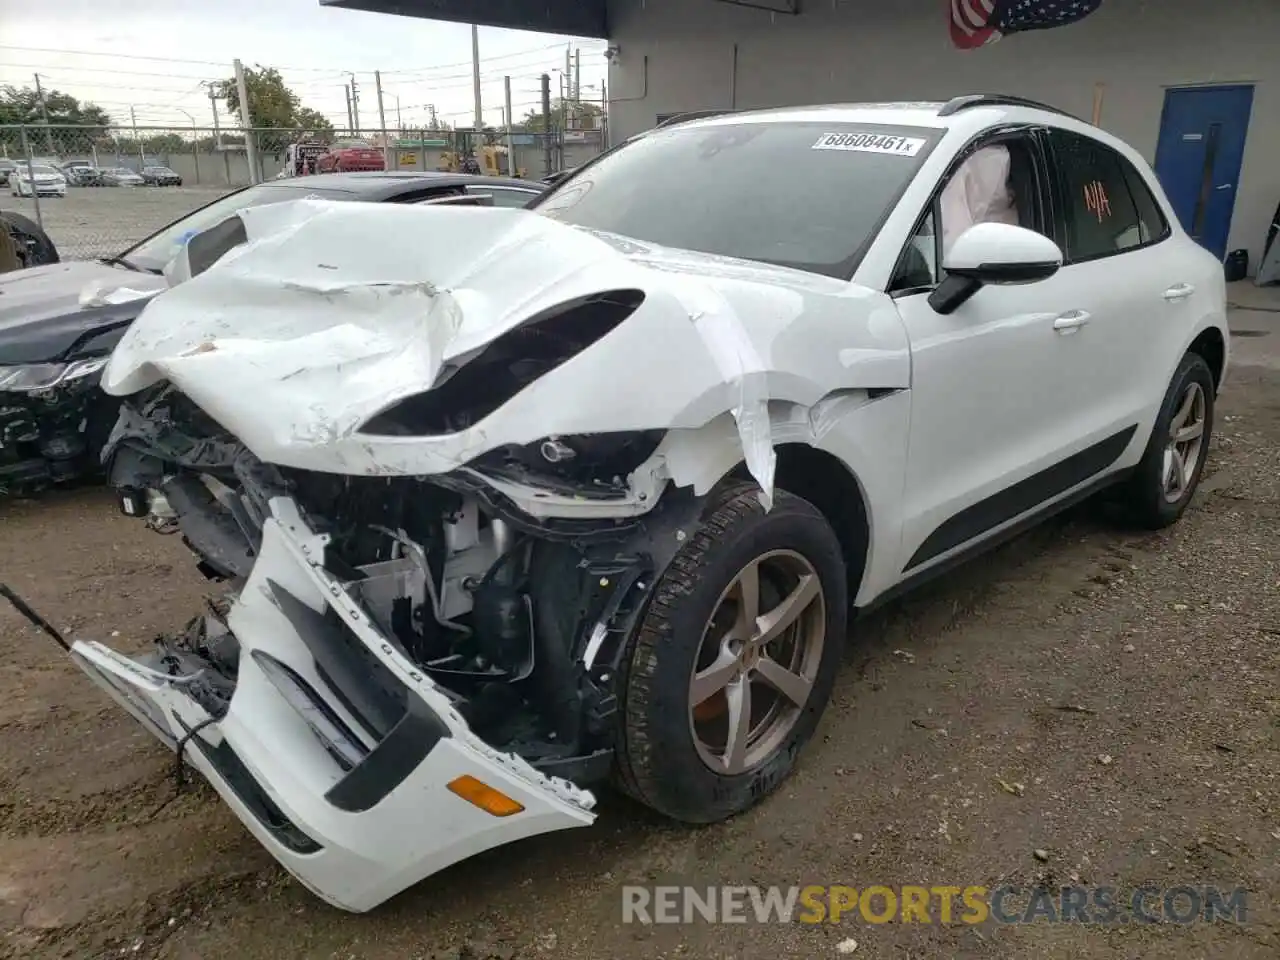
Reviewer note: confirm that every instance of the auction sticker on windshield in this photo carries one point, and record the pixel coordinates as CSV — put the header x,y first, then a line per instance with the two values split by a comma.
x,y
870,143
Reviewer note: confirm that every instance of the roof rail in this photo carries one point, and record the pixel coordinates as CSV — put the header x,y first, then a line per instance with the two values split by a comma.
x,y
956,104
691,115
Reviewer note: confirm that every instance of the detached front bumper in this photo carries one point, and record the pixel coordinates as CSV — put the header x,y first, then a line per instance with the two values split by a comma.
x,y
335,751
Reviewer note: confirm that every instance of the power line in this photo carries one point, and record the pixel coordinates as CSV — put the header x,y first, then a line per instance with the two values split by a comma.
x,y
222,65
467,63
106,86
45,68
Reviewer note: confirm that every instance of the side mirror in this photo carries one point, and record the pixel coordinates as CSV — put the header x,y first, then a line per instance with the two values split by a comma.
x,y
993,253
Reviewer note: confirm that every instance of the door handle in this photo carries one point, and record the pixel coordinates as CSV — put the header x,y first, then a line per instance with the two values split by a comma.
x,y
1224,186
1179,291
1074,320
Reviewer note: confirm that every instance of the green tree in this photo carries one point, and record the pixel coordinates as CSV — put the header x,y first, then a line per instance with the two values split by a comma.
x,y
21,105
274,109
313,120
571,114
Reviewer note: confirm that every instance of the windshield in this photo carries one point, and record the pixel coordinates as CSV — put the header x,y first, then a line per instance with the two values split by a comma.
x,y
803,195
159,248
41,171
352,145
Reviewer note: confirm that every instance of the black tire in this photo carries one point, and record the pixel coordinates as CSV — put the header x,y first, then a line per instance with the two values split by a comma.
x,y
657,761
34,244
1143,496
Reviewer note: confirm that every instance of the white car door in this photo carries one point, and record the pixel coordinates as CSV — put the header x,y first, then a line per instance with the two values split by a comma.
x,y
1135,284
994,428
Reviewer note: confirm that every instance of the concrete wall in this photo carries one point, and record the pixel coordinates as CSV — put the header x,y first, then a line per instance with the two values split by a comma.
x,y
851,50
220,169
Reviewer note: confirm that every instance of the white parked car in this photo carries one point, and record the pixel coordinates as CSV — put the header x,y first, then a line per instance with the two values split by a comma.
x,y
514,502
28,180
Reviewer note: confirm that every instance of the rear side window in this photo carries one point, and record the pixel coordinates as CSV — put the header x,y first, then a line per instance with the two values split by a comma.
x,y
505,196
1101,214
1151,218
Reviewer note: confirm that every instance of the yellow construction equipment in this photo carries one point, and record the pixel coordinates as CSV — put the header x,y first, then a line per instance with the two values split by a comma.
x,y
466,157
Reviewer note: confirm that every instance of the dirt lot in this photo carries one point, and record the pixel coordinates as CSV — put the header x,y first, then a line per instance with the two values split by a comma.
x,y
103,221
1129,682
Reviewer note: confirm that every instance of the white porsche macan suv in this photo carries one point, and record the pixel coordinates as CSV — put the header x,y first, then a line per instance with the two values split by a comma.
x,y
514,502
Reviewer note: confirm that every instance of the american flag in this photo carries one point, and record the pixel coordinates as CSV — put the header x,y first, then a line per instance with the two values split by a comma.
x,y
977,22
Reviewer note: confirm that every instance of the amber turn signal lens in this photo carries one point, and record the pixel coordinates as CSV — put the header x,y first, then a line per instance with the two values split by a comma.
x,y
484,796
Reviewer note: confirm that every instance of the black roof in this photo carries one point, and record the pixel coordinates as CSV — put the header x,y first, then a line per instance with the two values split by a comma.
x,y
378,185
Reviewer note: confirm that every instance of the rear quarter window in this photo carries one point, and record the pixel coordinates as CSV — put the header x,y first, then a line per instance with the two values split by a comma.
x,y
1107,207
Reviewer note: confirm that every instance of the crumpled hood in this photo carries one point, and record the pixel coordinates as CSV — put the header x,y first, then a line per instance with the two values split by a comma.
x,y
41,315
332,311
323,290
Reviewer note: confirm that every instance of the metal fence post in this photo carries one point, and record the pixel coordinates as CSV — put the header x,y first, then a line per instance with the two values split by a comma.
x,y
35,194
195,150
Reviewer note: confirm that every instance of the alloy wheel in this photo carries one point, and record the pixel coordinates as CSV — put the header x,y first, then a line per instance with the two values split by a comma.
x,y
759,658
1185,445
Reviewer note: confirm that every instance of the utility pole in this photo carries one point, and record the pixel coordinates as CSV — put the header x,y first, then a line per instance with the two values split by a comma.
x,y
44,112
399,122
546,124
355,106
511,145
346,90
382,121
217,133
475,74
142,154
250,144
566,94
577,75
195,141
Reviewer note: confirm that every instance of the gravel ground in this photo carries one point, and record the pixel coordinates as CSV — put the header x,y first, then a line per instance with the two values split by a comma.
x,y
1126,688
103,221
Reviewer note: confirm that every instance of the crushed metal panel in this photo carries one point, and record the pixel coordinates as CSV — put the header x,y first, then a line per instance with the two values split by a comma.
x,y
578,18
329,315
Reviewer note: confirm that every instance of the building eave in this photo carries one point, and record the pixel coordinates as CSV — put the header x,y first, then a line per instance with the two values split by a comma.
x,y
576,18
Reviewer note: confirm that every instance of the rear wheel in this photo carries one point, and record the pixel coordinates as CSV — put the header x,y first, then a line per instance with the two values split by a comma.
x,y
733,663
1169,472
32,245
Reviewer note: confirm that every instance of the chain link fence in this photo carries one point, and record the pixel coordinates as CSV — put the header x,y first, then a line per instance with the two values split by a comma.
x,y
97,191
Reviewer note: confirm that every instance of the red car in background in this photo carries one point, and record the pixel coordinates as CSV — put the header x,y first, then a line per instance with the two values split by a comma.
x,y
348,156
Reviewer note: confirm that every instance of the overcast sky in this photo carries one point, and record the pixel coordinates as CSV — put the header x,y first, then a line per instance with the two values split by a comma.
x,y
152,54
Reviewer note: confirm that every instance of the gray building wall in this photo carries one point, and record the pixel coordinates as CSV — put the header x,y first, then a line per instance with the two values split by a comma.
x,y
851,50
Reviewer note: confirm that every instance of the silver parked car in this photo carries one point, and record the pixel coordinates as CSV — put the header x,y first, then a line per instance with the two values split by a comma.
x,y
121,177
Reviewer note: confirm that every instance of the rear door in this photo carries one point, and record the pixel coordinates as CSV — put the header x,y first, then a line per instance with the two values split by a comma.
x,y
1127,277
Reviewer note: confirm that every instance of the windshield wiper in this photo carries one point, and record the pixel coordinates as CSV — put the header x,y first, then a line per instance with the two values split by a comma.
x,y
128,265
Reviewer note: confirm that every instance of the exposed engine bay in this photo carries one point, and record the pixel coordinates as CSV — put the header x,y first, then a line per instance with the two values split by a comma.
x,y
521,621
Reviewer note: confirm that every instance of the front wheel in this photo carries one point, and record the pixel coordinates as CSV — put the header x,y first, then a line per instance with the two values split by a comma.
x,y
732,665
1167,476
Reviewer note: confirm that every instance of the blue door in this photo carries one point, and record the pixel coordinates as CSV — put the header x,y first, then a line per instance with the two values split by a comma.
x,y
1201,149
